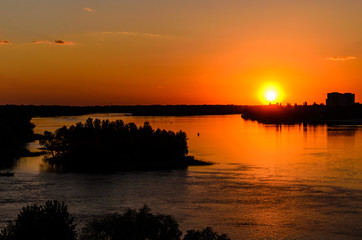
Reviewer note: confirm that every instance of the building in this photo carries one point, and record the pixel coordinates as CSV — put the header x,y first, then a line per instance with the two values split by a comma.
x,y
336,99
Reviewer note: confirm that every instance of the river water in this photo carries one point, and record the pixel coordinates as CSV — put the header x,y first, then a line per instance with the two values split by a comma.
x,y
268,181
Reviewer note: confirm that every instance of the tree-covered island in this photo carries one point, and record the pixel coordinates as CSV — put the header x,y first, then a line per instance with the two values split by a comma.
x,y
104,146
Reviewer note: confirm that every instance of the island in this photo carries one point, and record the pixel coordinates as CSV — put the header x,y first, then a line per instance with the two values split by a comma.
x,y
107,146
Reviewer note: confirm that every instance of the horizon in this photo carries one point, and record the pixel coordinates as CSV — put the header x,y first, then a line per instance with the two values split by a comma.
x,y
90,53
273,102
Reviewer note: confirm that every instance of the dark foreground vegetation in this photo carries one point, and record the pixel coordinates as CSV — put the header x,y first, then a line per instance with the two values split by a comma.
x,y
311,114
15,131
103,146
139,110
52,221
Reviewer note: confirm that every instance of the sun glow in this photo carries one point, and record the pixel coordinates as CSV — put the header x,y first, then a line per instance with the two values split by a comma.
x,y
271,93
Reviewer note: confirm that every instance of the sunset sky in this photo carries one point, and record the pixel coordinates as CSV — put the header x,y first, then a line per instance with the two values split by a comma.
x,y
100,52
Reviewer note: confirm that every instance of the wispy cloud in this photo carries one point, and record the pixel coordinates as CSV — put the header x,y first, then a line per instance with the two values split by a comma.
x,y
89,10
56,42
136,34
5,42
341,58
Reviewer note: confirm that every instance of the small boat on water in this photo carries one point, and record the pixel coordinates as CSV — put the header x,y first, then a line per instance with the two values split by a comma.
x,y
6,174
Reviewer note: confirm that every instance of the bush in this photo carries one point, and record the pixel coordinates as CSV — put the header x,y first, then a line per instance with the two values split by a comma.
x,y
50,221
133,225
206,234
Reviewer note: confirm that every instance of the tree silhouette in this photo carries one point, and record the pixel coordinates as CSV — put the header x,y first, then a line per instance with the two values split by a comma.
x,y
15,131
104,145
50,221
206,234
133,225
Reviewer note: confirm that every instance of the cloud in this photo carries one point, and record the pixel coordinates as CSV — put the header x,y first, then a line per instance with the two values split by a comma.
x,y
61,42
136,34
341,58
56,42
5,42
89,10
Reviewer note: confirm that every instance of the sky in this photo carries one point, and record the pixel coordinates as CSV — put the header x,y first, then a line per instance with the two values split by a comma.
x,y
126,52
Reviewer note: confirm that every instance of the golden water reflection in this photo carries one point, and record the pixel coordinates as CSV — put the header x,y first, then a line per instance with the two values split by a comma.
x,y
315,153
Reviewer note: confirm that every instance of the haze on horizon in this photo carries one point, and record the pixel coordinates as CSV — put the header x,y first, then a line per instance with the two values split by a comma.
x,y
92,52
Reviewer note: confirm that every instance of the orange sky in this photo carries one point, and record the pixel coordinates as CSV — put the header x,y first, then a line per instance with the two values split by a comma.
x,y
92,52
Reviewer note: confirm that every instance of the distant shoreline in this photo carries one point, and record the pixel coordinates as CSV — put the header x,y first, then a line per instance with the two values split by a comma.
x,y
313,114
269,114
135,110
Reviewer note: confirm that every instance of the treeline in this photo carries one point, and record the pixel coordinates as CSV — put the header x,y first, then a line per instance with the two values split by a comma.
x,y
112,146
311,114
15,131
52,221
139,110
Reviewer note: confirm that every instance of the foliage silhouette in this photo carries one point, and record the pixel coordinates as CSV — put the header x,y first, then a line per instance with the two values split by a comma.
x,y
15,131
310,114
133,225
50,221
140,225
205,234
109,146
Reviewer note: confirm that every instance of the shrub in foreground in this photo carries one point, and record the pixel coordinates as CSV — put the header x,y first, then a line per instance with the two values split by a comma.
x,y
42,222
133,225
52,221
206,234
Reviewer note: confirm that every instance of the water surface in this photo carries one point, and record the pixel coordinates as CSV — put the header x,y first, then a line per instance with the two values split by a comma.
x,y
268,181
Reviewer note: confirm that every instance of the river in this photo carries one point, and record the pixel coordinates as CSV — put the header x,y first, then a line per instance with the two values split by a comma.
x,y
268,181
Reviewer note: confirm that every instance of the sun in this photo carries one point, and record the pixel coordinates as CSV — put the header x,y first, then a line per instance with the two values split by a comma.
x,y
271,93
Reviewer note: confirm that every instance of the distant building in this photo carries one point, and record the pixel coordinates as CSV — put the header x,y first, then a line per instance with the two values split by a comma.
x,y
336,99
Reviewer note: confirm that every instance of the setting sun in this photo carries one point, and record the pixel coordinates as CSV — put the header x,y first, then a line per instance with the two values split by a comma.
x,y
271,93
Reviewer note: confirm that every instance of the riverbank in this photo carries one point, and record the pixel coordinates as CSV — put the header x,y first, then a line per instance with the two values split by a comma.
x,y
312,114
16,130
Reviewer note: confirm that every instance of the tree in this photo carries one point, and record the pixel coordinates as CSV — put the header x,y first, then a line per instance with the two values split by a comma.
x,y
50,221
98,146
132,225
206,234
